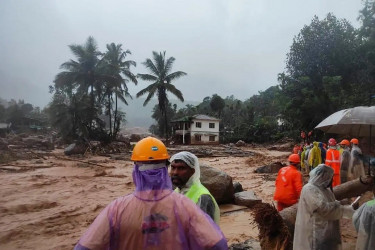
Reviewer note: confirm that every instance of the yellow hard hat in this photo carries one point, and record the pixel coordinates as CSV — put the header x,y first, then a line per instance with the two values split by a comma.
x,y
149,149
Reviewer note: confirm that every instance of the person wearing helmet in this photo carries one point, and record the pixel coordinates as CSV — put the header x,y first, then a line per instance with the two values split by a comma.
x,y
344,160
333,160
153,216
317,223
356,168
288,184
185,175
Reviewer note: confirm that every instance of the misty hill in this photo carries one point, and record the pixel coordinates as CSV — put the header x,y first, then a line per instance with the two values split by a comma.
x,y
138,115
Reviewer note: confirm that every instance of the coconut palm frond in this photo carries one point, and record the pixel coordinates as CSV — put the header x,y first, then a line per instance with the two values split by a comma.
x,y
171,88
175,75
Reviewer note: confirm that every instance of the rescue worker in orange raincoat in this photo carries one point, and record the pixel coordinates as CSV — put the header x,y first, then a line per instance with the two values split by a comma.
x,y
288,183
333,160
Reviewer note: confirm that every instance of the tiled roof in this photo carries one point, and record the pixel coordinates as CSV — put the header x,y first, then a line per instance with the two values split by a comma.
x,y
205,117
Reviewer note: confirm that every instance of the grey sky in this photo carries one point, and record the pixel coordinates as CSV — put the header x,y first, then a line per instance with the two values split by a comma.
x,y
228,47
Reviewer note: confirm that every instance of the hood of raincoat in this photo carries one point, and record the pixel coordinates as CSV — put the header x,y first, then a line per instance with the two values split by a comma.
x,y
192,161
321,176
151,181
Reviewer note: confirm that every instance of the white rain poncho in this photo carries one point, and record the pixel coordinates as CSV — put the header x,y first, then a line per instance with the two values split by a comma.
x,y
152,217
356,168
205,201
344,164
317,224
364,223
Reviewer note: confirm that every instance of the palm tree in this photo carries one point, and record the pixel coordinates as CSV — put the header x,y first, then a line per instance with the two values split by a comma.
x,y
161,79
82,77
116,67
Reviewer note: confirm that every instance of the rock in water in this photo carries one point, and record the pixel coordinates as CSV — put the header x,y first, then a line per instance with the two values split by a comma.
x,y
246,198
218,183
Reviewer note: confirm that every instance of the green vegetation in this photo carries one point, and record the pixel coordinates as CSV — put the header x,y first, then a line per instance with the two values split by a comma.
x,y
330,66
86,94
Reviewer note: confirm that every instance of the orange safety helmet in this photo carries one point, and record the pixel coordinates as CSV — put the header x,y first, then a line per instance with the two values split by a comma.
x,y
354,141
149,149
294,158
345,142
332,142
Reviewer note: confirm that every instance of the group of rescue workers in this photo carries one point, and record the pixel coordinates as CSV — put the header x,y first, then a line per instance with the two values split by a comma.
x,y
317,223
155,216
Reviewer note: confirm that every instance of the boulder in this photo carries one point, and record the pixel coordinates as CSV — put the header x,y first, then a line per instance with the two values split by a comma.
x,y
218,183
237,187
74,149
246,198
271,168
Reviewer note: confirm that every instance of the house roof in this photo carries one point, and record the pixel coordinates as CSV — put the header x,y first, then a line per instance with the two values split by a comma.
x,y
196,117
183,119
205,117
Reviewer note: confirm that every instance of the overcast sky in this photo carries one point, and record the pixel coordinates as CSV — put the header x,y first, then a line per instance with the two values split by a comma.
x,y
227,47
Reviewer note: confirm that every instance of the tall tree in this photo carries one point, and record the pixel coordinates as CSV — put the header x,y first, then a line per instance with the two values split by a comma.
x,y
159,74
321,65
217,104
367,50
82,77
118,68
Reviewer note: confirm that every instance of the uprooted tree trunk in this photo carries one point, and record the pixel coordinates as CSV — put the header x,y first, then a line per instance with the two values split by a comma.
x,y
273,232
346,190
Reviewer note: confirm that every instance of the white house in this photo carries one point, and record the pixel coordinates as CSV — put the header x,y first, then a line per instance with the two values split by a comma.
x,y
197,129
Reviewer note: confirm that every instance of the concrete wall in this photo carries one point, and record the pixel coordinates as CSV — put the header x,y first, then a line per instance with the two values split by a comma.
x,y
205,132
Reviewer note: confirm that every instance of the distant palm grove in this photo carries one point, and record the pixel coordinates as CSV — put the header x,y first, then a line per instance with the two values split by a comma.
x,y
330,66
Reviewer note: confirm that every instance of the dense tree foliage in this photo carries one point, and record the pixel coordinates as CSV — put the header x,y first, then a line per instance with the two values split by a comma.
x,y
22,116
86,93
328,69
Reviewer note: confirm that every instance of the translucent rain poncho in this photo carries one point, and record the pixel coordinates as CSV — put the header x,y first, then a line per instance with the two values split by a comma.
x,y
364,223
206,201
152,217
344,164
304,158
317,224
356,168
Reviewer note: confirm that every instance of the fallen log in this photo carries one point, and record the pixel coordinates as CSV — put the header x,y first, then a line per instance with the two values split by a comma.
x,y
346,190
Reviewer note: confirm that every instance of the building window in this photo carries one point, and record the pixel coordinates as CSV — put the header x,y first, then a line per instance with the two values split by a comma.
x,y
212,125
198,124
198,138
212,138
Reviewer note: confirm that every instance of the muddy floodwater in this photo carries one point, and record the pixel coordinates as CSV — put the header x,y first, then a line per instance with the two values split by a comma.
x,y
48,202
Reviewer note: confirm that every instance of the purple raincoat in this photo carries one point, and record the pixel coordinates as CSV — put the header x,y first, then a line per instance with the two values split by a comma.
x,y
152,217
